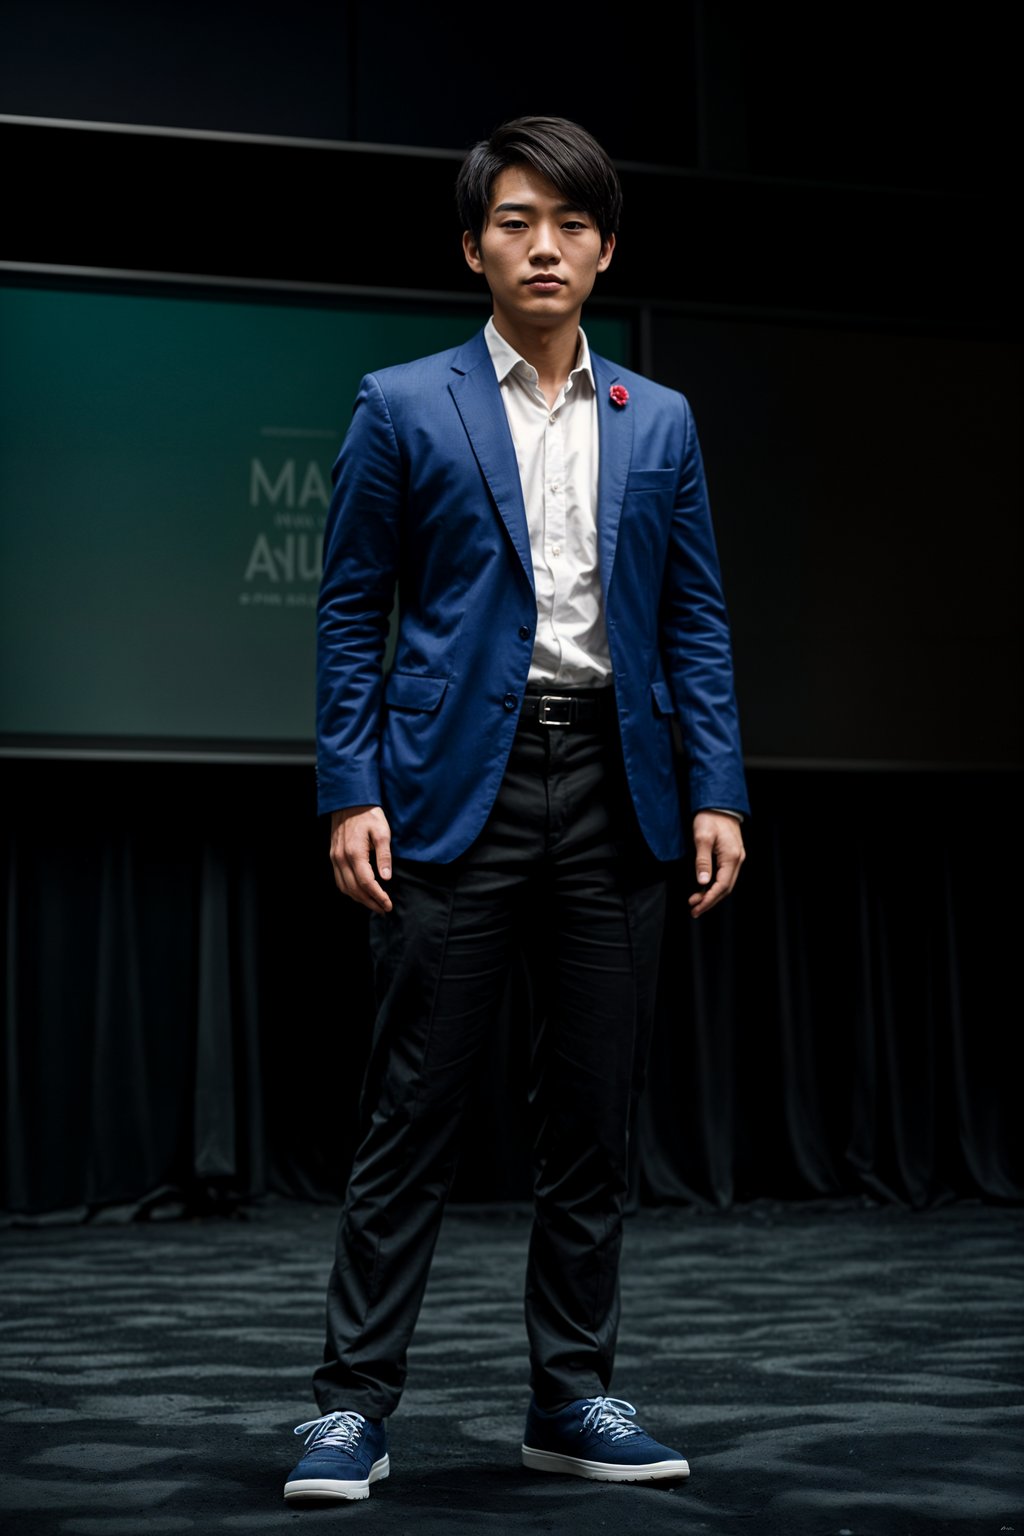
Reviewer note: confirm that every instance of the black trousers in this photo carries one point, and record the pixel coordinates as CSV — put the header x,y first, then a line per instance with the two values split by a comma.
x,y
562,869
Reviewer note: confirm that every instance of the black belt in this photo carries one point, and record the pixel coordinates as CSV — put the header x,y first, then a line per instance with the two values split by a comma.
x,y
564,709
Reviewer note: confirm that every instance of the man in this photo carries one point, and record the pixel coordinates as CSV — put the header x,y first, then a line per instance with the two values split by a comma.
x,y
514,780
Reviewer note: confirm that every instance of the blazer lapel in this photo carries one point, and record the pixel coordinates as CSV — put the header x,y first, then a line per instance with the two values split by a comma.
x,y
478,400
615,449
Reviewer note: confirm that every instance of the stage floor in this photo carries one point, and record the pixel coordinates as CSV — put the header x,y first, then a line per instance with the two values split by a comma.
x,y
827,1368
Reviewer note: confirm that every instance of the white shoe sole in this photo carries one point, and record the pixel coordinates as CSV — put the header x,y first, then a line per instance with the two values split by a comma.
x,y
602,1471
319,1490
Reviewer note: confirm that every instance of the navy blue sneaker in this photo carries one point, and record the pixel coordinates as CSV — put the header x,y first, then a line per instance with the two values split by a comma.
x,y
595,1437
346,1453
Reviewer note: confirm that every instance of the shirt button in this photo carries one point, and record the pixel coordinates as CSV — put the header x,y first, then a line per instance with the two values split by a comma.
x,y
510,701
556,549
524,632
551,421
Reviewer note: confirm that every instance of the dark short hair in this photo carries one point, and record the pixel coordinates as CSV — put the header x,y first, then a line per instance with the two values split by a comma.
x,y
561,150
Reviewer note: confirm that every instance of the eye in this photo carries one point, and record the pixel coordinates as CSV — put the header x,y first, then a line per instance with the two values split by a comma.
x,y
513,224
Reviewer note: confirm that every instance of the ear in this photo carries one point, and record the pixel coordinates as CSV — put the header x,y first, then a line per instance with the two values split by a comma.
x,y
606,253
471,251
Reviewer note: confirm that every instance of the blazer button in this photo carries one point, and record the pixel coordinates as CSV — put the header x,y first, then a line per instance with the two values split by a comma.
x,y
510,701
524,632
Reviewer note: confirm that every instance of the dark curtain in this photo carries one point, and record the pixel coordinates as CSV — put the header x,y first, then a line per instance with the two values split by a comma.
x,y
187,1001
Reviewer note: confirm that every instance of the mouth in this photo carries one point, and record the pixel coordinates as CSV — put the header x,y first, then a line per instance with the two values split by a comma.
x,y
546,281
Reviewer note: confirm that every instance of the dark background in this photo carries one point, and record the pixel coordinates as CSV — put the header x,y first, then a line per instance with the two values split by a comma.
x,y
820,249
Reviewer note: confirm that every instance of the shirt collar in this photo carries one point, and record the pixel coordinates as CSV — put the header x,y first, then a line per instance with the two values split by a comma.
x,y
507,360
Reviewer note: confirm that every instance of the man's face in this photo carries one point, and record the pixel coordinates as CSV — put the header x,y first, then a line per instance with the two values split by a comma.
x,y
539,254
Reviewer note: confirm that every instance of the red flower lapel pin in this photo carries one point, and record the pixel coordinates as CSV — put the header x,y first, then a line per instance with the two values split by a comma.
x,y
618,395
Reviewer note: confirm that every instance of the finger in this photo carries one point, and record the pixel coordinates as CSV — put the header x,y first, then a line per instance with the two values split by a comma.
x,y
726,875
382,852
703,863
339,864
363,887
368,895
702,901
354,878
727,870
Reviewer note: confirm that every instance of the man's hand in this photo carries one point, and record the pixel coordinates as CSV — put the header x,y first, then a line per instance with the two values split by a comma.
x,y
358,832
718,841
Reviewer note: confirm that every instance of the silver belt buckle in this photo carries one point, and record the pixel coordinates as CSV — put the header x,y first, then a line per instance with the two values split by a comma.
x,y
544,715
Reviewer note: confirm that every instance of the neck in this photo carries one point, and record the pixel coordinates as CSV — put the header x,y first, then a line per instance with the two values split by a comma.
x,y
552,350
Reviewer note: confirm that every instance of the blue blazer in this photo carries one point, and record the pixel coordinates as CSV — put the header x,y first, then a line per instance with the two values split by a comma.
x,y
426,493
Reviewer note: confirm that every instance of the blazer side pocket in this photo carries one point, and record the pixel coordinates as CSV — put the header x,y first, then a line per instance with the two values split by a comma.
x,y
410,690
662,699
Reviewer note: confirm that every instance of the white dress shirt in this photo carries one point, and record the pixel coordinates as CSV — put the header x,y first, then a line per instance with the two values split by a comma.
x,y
557,450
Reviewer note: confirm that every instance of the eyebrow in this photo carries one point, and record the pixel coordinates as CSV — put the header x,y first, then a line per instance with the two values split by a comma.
x,y
530,207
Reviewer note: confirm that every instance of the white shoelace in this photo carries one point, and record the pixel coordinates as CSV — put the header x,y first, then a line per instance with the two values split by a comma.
x,y
609,1414
340,1430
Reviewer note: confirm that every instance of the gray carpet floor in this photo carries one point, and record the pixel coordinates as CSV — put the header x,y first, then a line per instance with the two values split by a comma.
x,y
836,1369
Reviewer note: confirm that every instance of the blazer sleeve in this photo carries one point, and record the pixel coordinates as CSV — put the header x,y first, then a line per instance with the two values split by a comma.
x,y
360,563
696,643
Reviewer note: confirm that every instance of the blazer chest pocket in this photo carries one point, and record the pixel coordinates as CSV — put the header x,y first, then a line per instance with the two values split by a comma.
x,y
651,480
410,690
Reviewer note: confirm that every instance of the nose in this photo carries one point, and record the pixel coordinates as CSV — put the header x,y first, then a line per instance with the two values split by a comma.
x,y
544,249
